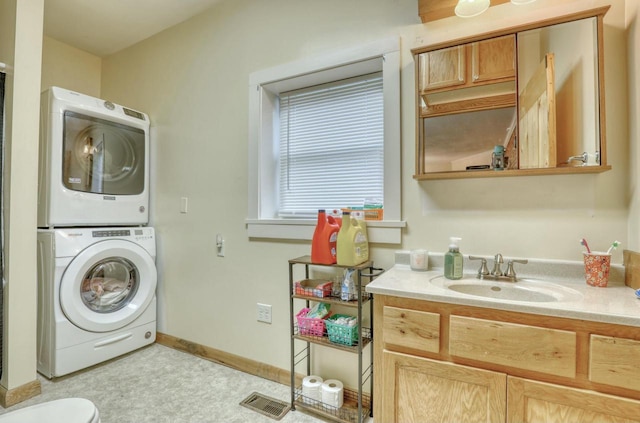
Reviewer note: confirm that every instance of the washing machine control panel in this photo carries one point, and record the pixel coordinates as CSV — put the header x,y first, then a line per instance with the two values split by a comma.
x,y
111,233
139,234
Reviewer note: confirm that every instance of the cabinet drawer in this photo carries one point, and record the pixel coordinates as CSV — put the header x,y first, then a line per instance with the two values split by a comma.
x,y
614,361
525,347
411,328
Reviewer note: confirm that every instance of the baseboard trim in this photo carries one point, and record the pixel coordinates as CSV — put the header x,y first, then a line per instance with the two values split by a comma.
x,y
9,397
236,362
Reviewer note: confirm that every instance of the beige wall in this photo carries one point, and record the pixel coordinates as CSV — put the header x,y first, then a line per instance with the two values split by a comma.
x,y
21,50
192,79
71,68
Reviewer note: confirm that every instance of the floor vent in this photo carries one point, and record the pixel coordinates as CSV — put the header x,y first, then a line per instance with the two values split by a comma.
x,y
270,407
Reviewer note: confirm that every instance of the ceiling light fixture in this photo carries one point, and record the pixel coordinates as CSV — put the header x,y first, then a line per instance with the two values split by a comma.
x,y
471,8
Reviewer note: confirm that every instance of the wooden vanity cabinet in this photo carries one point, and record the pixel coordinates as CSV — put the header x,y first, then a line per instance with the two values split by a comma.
x,y
438,362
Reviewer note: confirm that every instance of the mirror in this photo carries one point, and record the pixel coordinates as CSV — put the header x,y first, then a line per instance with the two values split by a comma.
x,y
563,60
523,103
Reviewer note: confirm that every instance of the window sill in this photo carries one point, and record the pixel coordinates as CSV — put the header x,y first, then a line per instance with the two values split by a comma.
x,y
379,232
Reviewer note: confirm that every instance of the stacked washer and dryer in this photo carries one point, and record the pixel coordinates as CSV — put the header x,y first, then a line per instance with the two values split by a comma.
x,y
96,256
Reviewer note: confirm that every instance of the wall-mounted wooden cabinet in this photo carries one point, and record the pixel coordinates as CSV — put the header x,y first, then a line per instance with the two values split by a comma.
x,y
534,91
473,64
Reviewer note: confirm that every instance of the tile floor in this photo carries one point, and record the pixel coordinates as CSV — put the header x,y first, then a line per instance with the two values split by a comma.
x,y
162,385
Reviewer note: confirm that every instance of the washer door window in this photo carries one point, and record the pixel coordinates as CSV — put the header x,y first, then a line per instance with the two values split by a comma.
x,y
102,157
108,285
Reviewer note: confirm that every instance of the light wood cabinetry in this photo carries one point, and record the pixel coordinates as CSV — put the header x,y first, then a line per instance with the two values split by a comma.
x,y
526,347
482,62
615,361
443,68
494,60
412,329
480,92
430,360
537,402
420,390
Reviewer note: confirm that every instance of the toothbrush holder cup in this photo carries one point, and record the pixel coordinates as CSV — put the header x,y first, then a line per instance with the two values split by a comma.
x,y
596,268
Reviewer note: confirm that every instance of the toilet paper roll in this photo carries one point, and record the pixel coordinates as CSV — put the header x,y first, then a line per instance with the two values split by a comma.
x,y
312,389
333,393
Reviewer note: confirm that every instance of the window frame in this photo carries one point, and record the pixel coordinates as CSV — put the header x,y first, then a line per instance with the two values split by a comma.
x,y
264,87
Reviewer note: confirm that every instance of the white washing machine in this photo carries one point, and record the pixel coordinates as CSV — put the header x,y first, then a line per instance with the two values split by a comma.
x,y
93,164
96,296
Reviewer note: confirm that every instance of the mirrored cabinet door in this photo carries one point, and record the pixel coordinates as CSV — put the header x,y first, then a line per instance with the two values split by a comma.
x,y
522,103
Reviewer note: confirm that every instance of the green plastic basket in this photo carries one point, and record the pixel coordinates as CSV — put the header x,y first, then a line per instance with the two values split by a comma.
x,y
341,334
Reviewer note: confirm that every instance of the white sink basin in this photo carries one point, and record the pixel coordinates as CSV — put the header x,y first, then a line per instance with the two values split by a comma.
x,y
527,290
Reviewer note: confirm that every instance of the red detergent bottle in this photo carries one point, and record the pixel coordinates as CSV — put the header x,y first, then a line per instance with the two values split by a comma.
x,y
325,236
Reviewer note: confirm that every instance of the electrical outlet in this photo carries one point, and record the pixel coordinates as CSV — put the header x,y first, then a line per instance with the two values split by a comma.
x,y
264,313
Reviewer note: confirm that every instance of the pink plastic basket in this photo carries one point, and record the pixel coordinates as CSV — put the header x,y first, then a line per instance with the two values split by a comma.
x,y
308,325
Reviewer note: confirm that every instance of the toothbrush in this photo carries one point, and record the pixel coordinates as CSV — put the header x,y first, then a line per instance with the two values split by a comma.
x,y
584,242
615,245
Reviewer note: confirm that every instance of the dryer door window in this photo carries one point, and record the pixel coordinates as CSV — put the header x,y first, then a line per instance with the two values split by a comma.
x,y
102,157
110,285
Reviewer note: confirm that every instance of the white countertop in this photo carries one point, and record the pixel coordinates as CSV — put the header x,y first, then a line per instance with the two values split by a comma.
x,y
616,303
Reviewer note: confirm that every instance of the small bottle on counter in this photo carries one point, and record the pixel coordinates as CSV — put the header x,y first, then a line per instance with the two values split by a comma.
x,y
453,260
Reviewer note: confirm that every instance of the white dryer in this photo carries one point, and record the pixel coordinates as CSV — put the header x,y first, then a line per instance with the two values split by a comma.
x,y
96,296
93,164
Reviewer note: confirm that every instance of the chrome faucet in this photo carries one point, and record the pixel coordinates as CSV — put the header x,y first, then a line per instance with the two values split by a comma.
x,y
497,274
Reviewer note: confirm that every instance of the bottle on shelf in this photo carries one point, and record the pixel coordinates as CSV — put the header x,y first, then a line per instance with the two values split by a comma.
x,y
325,237
353,246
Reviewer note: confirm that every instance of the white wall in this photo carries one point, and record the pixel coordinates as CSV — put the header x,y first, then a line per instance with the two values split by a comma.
x,y
71,68
192,79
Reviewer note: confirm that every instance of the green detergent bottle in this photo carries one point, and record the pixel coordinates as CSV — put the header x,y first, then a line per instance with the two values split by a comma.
x,y
353,246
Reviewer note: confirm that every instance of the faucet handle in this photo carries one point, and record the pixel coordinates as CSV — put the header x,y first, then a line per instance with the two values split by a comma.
x,y
510,273
484,270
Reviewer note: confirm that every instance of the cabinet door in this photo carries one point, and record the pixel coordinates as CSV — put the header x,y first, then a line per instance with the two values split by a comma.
x,y
442,68
493,59
419,390
538,402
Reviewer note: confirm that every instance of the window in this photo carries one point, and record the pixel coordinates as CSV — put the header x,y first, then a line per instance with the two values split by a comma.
x,y
331,142
325,132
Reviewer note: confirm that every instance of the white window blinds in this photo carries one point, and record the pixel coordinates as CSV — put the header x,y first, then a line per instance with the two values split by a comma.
x,y
331,151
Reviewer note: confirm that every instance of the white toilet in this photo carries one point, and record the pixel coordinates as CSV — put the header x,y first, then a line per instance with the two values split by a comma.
x,y
67,410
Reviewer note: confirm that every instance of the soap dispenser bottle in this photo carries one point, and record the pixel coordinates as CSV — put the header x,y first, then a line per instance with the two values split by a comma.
x,y
453,261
